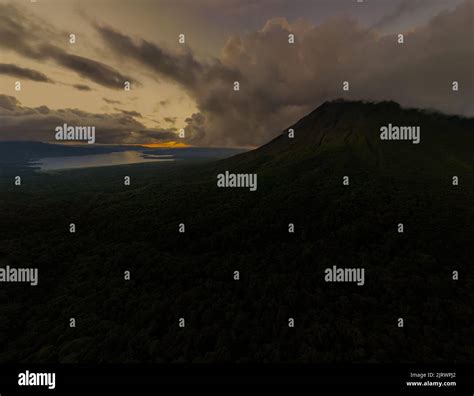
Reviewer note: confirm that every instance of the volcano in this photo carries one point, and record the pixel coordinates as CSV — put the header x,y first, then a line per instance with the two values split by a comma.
x,y
349,134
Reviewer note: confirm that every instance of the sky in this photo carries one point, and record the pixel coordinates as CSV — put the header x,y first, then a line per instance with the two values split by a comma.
x,y
190,86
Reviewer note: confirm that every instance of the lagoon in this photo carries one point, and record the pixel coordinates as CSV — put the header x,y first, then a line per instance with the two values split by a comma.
x,y
95,160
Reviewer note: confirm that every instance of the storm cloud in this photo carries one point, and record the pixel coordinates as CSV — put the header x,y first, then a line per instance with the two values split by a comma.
x,y
95,71
25,35
21,72
82,87
181,67
39,123
281,82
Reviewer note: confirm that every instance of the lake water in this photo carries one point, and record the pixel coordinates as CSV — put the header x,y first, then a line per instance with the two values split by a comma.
x,y
109,159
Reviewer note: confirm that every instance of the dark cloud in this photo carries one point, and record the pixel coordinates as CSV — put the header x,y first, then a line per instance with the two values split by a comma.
x,y
82,87
111,101
281,82
195,129
29,37
38,123
21,72
129,113
9,103
170,120
23,33
181,67
95,71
